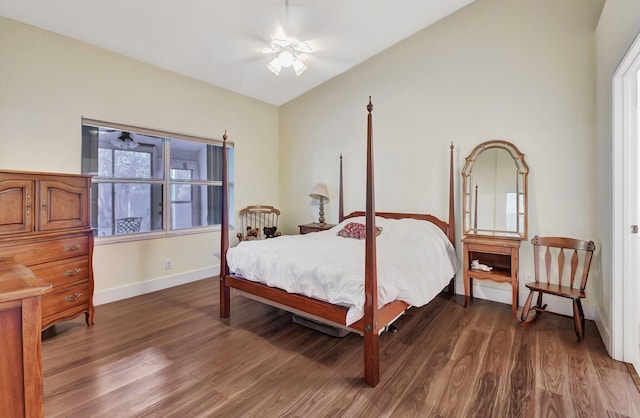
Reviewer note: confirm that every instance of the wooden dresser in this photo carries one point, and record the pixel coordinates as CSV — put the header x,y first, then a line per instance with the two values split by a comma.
x,y
45,225
20,345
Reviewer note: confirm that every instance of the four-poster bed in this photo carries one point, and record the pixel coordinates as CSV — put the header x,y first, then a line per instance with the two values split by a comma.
x,y
374,318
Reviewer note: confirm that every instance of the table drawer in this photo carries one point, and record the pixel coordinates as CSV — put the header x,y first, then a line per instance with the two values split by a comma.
x,y
57,302
491,249
37,252
63,272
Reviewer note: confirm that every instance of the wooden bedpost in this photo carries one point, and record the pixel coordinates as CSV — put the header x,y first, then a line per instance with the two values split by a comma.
x,y
452,224
475,210
452,219
341,196
371,337
225,294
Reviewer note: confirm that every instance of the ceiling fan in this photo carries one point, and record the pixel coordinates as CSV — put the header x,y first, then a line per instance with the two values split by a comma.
x,y
290,51
125,141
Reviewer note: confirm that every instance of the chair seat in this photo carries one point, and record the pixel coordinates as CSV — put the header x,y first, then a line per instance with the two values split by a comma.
x,y
554,289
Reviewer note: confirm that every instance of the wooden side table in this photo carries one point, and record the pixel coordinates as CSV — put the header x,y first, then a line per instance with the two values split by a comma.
x,y
314,227
499,253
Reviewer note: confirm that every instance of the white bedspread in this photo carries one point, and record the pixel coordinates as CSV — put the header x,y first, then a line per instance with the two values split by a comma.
x,y
415,262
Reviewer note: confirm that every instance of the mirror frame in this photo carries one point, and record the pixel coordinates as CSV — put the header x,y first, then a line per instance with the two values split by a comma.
x,y
468,227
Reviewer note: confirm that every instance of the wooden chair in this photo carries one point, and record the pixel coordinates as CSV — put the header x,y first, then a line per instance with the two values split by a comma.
x,y
555,247
258,222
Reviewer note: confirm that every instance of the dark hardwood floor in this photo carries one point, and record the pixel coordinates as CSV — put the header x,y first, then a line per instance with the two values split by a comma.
x,y
167,354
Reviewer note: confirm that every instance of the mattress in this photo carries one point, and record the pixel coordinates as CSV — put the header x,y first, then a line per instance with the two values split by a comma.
x,y
415,261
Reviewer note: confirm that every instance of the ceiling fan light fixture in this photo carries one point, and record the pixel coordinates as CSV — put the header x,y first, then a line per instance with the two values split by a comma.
x,y
286,58
124,141
291,53
275,66
299,67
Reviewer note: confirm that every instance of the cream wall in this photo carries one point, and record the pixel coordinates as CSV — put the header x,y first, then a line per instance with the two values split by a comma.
x,y
619,25
48,82
523,71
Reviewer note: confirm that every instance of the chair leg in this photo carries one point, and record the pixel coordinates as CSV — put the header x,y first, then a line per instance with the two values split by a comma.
x,y
538,309
526,308
581,316
539,303
578,319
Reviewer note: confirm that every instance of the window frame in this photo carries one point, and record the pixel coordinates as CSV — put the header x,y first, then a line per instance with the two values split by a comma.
x,y
166,181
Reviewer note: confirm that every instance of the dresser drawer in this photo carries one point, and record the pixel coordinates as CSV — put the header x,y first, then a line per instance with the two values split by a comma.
x,y
74,297
37,252
63,272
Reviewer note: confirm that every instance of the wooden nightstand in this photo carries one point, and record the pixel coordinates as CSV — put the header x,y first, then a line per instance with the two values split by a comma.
x,y
314,227
499,253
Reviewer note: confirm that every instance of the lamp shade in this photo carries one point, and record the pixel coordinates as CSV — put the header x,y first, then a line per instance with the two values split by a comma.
x,y
320,191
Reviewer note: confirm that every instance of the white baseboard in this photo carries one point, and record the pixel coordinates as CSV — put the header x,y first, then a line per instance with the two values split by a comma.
x,y
491,293
137,289
605,333
554,303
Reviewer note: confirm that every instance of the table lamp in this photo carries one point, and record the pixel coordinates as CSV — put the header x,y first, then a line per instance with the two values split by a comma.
x,y
320,192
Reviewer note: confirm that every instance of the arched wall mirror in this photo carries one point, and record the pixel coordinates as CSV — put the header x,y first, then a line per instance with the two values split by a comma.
x,y
494,187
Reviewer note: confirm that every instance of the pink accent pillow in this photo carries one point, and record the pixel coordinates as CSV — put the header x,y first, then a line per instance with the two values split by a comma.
x,y
356,230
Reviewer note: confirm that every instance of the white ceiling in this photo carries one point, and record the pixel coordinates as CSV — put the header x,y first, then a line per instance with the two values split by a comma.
x,y
220,41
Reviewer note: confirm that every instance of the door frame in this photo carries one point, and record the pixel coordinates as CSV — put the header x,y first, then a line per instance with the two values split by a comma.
x,y
625,317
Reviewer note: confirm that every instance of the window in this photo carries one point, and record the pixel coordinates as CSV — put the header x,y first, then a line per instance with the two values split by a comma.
x,y
152,182
514,212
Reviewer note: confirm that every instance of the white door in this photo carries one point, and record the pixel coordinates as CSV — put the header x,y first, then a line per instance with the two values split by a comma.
x,y
625,326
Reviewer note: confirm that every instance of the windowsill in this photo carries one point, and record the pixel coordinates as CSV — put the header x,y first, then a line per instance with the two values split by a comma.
x,y
116,239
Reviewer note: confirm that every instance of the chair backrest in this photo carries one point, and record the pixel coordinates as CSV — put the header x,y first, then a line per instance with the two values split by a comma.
x,y
128,225
253,219
577,265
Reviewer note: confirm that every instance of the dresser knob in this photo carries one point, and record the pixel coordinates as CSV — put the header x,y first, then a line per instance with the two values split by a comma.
x,y
71,298
72,247
71,273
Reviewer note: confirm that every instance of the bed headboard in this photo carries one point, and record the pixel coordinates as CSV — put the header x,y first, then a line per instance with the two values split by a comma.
x,y
447,227
398,215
